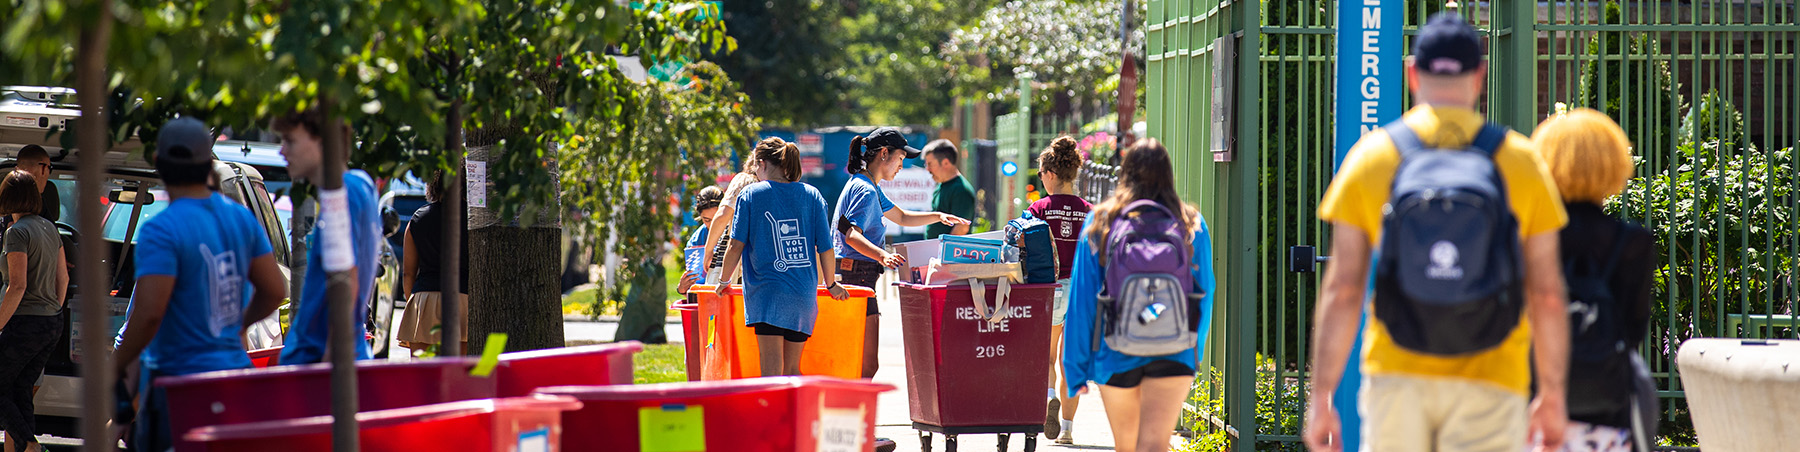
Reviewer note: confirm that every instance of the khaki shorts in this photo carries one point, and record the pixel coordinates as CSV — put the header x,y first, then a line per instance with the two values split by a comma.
x,y
1431,414
424,311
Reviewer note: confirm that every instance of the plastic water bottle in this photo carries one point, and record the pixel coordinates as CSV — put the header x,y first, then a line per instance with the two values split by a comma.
x,y
1151,313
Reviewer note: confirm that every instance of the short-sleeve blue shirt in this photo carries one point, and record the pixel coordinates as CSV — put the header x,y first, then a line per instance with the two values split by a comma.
x,y
694,253
783,228
206,245
862,204
309,331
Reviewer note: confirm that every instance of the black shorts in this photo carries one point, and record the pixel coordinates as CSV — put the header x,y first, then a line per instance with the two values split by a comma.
x,y
858,272
1156,369
764,329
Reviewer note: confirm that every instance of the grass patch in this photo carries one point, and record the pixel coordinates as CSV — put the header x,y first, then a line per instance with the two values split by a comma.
x,y
660,363
657,363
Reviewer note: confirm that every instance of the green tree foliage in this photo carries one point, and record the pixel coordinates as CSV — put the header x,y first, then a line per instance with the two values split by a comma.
x,y
1067,46
631,179
791,61
896,74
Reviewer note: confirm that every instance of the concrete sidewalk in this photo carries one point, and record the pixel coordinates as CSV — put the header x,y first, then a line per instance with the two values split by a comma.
x,y
893,419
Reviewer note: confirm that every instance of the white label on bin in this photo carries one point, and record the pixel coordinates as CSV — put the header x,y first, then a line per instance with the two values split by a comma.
x,y
841,430
535,440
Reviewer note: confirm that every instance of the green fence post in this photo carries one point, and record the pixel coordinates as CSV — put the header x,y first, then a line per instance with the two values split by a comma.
x,y
1513,99
1244,215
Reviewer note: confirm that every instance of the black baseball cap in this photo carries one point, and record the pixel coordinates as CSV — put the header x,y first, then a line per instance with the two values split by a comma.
x,y
1447,45
889,137
184,141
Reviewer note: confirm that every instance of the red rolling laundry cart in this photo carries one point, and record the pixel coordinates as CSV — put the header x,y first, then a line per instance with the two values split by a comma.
x,y
773,414
966,374
521,424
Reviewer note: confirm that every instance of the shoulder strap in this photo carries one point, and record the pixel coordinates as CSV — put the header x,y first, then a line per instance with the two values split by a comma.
x,y
1406,141
1489,139
1612,257
1144,204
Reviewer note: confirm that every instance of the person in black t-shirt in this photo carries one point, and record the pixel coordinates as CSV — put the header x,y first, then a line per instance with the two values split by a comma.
x,y
421,274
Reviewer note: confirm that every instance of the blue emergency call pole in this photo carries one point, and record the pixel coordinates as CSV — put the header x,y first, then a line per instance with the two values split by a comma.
x,y
1369,87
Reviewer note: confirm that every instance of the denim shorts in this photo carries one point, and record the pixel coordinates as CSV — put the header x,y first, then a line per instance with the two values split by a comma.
x,y
1059,304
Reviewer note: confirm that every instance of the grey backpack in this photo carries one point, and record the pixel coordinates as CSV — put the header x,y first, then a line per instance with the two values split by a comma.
x,y
1150,306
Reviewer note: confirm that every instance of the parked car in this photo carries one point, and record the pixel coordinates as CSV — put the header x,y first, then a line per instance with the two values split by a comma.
x,y
266,159
134,196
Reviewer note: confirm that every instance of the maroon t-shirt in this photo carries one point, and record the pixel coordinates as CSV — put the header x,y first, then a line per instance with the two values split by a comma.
x,y
1065,213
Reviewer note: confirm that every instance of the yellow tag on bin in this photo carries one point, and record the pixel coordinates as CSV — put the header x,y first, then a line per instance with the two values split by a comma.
x,y
672,428
490,355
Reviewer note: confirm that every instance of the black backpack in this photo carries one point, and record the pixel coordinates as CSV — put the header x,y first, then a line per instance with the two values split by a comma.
x,y
1449,280
1599,353
1037,251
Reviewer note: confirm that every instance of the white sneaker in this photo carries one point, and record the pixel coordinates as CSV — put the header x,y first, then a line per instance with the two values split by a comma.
x,y
1065,438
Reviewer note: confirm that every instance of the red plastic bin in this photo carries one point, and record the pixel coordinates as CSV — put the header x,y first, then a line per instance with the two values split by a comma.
x,y
291,392
964,375
522,424
690,333
772,414
606,364
265,357
729,348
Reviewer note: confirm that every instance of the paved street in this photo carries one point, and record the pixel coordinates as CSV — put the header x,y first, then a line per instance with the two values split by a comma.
x,y
893,421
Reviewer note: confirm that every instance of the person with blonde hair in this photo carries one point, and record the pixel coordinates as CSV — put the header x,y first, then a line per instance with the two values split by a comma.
x,y
1608,265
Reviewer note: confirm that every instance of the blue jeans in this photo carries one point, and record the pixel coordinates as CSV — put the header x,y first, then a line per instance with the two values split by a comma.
x,y
150,433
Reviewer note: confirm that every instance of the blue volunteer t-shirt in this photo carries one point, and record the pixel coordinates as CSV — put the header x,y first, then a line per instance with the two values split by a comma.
x,y
694,253
782,225
309,331
206,245
862,204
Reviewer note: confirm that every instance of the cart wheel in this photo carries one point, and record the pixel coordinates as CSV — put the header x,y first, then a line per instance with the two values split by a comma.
x,y
949,443
1004,438
925,441
1031,443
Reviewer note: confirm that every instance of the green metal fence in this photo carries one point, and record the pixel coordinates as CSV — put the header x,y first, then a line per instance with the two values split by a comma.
x,y
1706,89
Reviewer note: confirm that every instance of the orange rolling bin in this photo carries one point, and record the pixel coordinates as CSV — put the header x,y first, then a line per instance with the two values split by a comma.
x,y
728,347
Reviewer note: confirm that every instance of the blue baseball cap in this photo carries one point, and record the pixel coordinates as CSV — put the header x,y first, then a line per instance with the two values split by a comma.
x,y
184,141
1447,45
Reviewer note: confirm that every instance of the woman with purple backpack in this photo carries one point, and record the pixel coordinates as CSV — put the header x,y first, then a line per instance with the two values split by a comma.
x,y
1139,301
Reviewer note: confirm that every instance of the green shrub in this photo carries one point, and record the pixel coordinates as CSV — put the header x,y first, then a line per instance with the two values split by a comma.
x,y
1280,409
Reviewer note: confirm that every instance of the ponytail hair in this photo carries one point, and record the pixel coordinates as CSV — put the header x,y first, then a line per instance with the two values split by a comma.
x,y
855,164
1061,159
784,155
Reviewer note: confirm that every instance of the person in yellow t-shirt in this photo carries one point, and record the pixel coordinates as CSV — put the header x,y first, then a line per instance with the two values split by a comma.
x,y
1415,401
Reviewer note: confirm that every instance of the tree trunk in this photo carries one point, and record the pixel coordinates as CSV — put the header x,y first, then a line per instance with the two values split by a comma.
x,y
514,278
515,273
452,315
340,294
96,367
